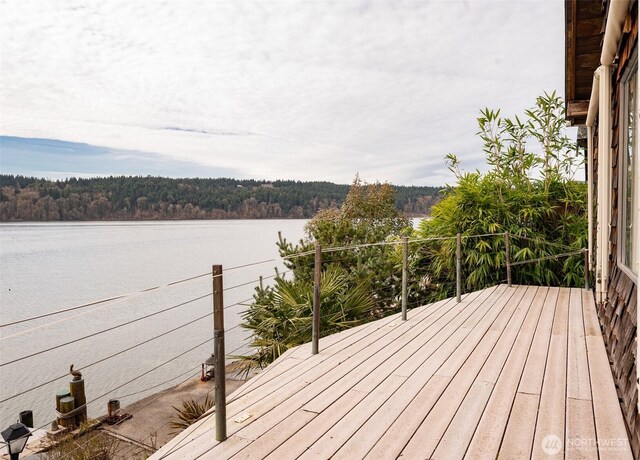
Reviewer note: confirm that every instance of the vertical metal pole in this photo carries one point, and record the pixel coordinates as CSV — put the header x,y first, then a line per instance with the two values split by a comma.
x,y
507,245
219,355
586,269
315,331
458,267
405,255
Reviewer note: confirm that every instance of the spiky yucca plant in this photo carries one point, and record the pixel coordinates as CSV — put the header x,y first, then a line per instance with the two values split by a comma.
x,y
189,413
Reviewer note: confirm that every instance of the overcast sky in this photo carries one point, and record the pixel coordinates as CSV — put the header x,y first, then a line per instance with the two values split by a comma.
x,y
307,90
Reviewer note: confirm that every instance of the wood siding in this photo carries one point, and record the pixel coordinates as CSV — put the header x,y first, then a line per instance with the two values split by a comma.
x,y
618,315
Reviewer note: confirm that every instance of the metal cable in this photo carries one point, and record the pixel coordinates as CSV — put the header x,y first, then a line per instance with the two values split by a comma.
x,y
103,359
109,299
365,245
556,256
31,355
130,294
110,356
166,423
150,370
133,412
482,235
162,383
133,380
242,302
256,281
238,348
539,241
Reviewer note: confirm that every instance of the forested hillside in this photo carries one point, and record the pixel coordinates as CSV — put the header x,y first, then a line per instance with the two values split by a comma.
x,y
148,198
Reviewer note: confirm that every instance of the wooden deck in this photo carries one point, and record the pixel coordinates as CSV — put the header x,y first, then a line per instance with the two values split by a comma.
x,y
512,373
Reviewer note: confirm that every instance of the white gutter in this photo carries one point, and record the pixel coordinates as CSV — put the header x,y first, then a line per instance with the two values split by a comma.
x,y
604,182
594,99
613,31
618,10
590,196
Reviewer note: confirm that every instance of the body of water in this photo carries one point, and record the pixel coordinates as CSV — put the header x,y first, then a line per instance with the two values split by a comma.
x,y
46,267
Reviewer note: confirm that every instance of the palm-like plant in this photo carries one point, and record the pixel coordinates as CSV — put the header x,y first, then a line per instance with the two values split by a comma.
x,y
189,413
281,315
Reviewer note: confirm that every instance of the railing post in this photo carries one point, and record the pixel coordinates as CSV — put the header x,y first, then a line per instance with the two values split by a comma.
x,y
219,355
507,245
315,331
405,255
586,269
458,267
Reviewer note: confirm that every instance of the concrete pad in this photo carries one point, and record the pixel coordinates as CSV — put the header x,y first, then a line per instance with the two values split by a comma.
x,y
150,426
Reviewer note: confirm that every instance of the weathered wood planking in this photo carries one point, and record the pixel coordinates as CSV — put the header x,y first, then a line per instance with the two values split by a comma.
x,y
454,381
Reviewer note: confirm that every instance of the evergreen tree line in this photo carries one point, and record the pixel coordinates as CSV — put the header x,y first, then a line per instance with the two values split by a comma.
x,y
158,198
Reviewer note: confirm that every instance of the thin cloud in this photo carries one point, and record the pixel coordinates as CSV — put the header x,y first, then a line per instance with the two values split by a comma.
x,y
300,90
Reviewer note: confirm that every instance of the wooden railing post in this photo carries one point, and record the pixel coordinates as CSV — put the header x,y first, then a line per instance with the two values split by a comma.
x,y
219,355
315,331
507,245
405,255
586,268
458,267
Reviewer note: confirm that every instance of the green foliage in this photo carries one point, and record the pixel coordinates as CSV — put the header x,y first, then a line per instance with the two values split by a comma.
x,y
189,413
367,217
530,195
281,315
357,285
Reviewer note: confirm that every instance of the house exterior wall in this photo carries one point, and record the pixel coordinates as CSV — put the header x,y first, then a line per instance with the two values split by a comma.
x,y
618,313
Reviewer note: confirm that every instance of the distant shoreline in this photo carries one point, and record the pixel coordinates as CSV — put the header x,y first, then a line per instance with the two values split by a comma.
x,y
24,199
417,216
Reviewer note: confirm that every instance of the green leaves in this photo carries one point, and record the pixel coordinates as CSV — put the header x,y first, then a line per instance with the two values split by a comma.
x,y
280,317
357,285
531,194
190,411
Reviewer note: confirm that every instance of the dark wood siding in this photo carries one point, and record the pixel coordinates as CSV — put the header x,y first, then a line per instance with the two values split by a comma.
x,y
618,315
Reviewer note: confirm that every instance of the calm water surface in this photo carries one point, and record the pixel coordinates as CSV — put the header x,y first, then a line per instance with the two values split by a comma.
x,y
49,266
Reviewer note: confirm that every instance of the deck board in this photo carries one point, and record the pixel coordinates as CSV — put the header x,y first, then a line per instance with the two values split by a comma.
x,y
491,377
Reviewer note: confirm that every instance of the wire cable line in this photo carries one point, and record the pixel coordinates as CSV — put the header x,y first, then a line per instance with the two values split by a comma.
x,y
242,302
155,430
483,235
245,343
150,370
128,295
237,267
106,358
366,245
256,281
539,241
134,379
189,371
109,299
555,256
151,401
111,356
31,355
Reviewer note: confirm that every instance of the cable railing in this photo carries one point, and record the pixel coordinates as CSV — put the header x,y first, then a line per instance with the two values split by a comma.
x,y
506,263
